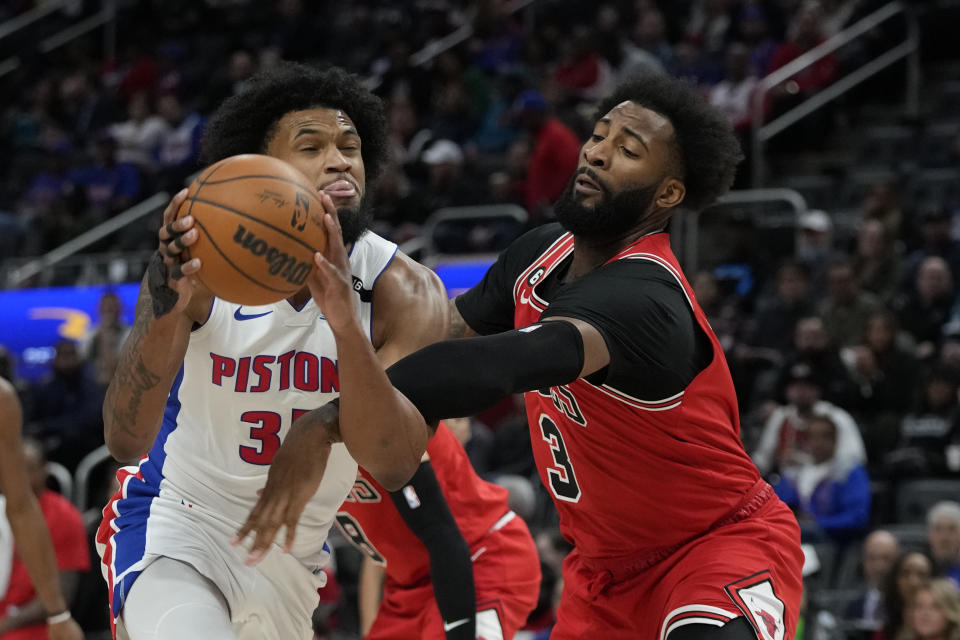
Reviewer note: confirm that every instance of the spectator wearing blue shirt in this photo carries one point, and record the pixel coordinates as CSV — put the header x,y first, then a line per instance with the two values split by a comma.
x,y
66,408
106,187
831,496
179,146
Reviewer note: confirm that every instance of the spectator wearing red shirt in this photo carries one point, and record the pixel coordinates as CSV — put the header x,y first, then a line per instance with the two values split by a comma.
x,y
22,616
553,157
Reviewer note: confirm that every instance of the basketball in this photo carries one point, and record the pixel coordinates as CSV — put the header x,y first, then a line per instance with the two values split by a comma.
x,y
259,222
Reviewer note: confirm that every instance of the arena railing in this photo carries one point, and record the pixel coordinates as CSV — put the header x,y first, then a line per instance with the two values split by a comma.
x,y
431,251
18,275
686,234
434,48
909,48
105,18
27,18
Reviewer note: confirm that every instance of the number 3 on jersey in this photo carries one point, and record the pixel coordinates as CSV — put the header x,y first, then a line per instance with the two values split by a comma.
x,y
266,429
563,481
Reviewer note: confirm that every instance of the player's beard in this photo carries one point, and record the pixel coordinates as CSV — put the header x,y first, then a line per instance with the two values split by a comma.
x,y
612,216
355,220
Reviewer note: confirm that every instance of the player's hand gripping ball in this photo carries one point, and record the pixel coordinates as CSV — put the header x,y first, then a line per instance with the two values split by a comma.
x,y
259,222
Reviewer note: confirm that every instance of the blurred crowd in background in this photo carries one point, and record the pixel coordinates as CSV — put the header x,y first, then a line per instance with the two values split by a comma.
x,y
845,347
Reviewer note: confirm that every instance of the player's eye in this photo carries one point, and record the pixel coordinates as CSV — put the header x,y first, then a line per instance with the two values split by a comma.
x,y
628,153
308,148
596,138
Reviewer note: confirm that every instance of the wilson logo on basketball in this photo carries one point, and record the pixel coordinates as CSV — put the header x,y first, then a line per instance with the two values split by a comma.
x,y
282,264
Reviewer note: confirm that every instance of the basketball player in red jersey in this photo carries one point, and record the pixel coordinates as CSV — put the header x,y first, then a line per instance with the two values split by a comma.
x,y
458,563
631,406
30,534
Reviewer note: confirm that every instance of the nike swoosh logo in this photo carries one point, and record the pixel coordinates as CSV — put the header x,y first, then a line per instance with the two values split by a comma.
x,y
524,299
456,623
242,316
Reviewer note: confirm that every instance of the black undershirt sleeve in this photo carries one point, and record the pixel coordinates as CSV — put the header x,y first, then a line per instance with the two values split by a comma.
x,y
488,307
457,378
655,344
425,511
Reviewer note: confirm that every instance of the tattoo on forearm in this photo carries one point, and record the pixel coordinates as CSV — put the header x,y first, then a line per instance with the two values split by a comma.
x,y
132,375
136,382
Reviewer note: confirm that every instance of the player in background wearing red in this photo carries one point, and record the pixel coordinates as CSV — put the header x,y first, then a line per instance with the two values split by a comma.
x,y
453,560
632,410
23,615
32,538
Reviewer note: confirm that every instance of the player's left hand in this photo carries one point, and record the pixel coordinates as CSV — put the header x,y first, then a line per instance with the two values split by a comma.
x,y
331,283
294,477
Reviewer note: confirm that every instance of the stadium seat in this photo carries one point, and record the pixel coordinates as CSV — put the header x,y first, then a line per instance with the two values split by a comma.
x,y
888,146
453,230
915,497
86,478
880,502
859,182
848,574
59,477
835,600
911,536
827,554
948,100
819,191
936,145
933,187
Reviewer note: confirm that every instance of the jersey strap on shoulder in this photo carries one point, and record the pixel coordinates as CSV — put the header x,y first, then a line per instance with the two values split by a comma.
x,y
366,295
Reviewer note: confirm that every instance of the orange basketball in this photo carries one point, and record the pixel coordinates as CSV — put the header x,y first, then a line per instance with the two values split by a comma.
x,y
259,222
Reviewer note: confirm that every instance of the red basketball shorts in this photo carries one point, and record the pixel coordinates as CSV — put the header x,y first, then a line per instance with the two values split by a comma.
x,y
506,577
748,568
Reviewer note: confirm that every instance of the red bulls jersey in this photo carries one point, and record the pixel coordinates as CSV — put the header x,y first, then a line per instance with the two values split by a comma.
x,y
633,473
369,519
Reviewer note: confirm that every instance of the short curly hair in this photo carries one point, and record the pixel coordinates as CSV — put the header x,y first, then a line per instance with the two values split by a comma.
x,y
707,150
245,122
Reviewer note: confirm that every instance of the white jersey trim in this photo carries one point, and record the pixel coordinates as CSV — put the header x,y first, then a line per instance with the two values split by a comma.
x,y
668,626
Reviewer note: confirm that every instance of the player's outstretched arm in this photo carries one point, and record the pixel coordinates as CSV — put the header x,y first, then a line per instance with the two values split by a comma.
x,y
463,377
169,304
386,437
26,520
425,511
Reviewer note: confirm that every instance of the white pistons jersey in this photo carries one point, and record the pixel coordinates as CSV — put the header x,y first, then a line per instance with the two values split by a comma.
x,y
249,371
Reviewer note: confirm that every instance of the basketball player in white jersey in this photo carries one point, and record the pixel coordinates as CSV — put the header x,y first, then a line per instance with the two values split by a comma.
x,y
206,390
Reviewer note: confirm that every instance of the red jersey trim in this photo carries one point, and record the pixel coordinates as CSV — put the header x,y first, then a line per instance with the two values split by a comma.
x,y
546,260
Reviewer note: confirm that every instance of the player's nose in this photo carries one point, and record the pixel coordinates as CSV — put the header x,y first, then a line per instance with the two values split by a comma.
x,y
595,155
335,162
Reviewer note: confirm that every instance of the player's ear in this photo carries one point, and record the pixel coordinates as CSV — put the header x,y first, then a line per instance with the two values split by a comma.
x,y
671,193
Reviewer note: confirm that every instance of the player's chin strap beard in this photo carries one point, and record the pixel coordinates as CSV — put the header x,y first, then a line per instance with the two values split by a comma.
x,y
353,222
